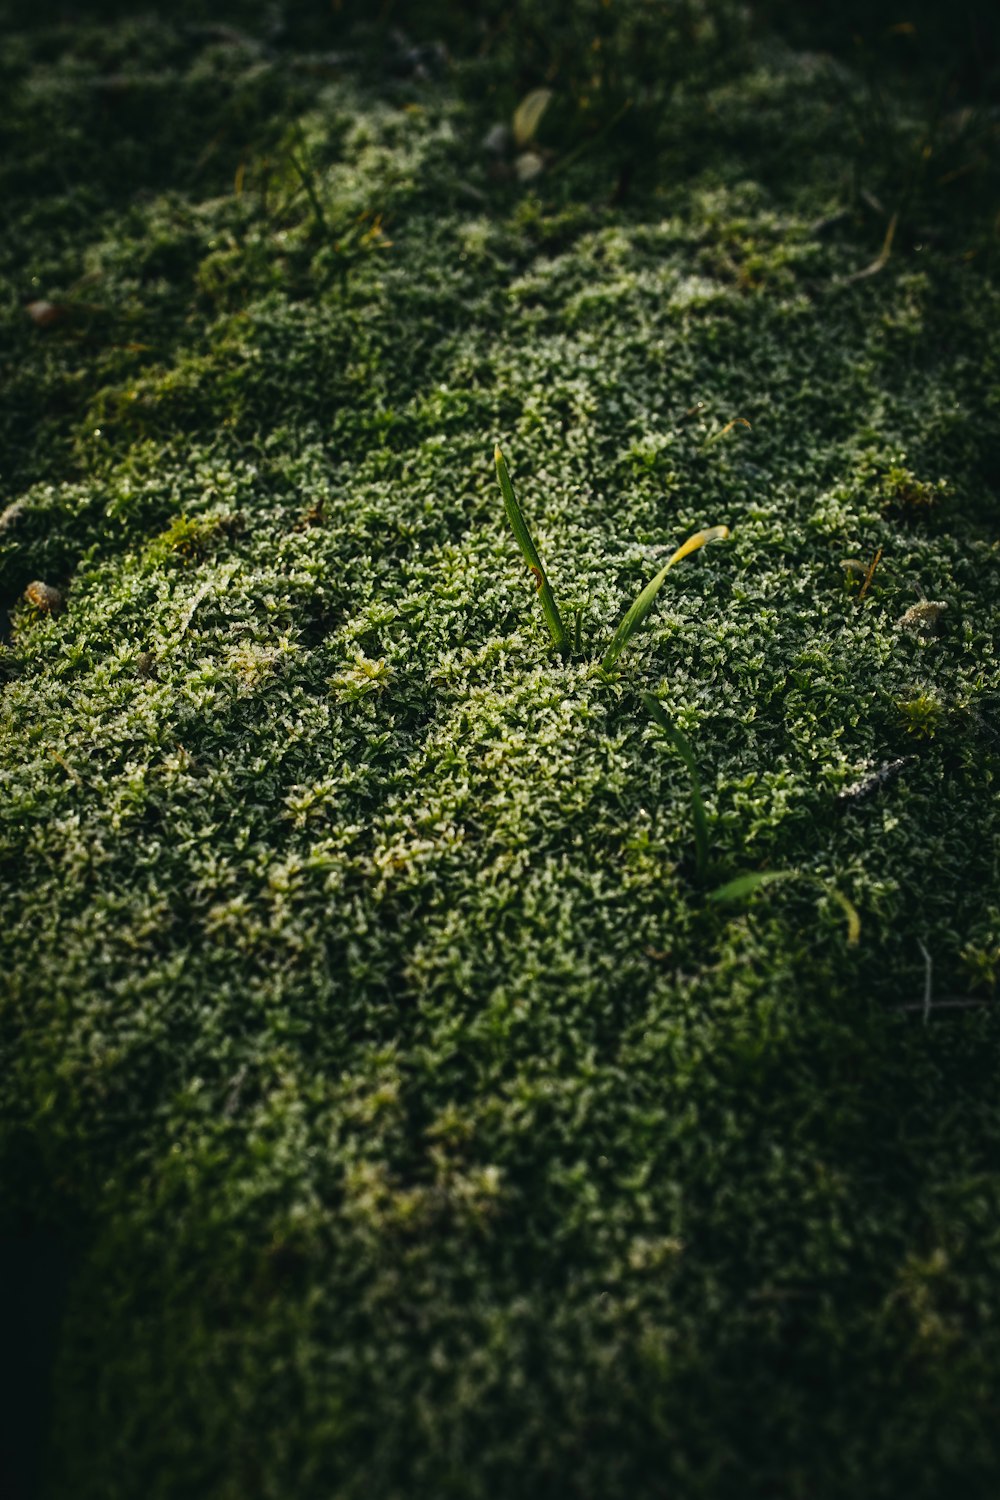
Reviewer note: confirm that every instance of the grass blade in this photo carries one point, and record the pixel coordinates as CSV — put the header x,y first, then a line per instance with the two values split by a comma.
x,y
745,885
850,912
529,552
682,745
640,609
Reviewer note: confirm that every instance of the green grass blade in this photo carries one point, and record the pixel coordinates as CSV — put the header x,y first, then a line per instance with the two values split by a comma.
x,y
679,741
640,609
308,180
529,552
682,745
850,912
745,885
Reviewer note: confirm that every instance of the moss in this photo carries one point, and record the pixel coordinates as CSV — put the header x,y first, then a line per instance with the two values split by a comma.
x,y
921,714
414,1122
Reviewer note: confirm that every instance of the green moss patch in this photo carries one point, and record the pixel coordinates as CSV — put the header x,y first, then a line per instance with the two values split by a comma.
x,y
411,1119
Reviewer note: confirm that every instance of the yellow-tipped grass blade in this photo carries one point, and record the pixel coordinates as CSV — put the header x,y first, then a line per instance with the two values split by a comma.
x,y
640,609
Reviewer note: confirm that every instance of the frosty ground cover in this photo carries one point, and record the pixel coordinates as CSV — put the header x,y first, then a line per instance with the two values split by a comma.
x,y
403,1115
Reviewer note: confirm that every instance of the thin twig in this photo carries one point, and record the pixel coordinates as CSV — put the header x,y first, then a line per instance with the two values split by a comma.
x,y
928,981
952,1004
736,422
870,575
881,260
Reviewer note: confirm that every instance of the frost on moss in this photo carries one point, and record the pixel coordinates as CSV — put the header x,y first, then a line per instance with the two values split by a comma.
x,y
412,1123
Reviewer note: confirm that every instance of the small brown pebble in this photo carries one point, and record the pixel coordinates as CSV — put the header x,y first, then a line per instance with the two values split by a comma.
x,y
528,166
43,314
145,664
43,597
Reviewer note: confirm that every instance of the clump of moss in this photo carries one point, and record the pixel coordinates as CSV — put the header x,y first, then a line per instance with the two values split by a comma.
x,y
910,497
922,715
982,966
190,538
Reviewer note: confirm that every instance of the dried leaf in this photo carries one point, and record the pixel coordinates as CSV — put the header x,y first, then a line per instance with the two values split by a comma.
x,y
528,115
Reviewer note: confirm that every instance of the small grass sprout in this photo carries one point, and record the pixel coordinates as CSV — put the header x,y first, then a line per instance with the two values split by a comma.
x,y
682,745
644,603
529,552
742,887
